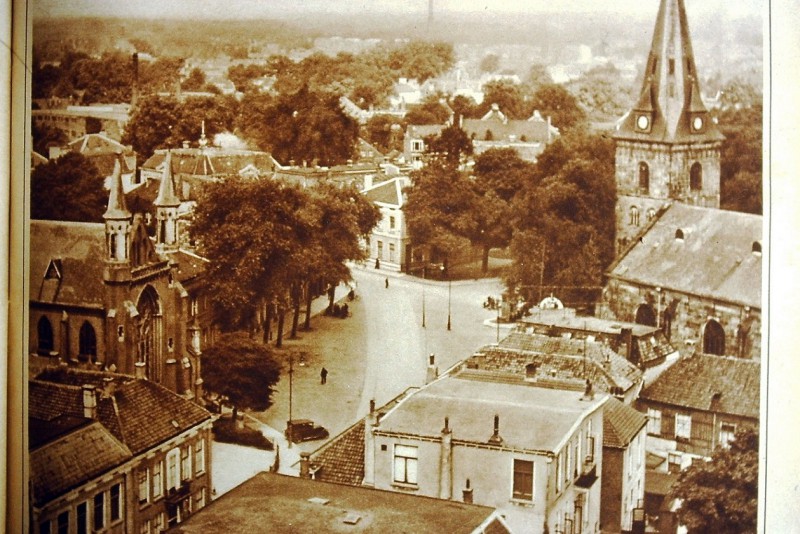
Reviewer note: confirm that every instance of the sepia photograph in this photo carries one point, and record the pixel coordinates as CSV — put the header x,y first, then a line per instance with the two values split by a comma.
x,y
427,266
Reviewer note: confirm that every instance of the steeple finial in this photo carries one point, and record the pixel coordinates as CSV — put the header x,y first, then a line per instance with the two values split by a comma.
x,y
117,209
166,191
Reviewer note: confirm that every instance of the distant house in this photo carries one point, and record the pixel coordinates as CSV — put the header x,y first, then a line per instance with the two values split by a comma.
x,y
276,503
695,273
112,453
697,405
389,244
494,130
77,121
414,146
103,152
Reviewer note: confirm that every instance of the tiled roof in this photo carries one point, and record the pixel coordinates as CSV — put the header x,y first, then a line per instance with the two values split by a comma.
x,y
621,423
714,259
388,192
421,131
710,383
562,358
211,161
140,413
341,460
80,247
533,131
531,418
71,460
189,266
278,503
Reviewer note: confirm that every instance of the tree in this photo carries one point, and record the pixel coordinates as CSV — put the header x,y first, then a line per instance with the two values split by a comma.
x,y
452,145
556,102
512,99
195,81
45,136
241,370
68,189
721,495
385,132
741,155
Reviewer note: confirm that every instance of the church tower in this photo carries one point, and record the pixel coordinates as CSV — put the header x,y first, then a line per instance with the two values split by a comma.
x,y
667,146
166,204
118,221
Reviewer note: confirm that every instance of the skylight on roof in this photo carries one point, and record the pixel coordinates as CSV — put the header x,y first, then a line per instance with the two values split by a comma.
x,y
351,519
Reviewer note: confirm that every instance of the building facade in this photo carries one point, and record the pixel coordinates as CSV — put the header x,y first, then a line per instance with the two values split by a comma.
x,y
389,244
667,146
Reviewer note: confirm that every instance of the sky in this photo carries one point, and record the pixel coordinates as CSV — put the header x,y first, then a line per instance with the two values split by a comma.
x,y
272,8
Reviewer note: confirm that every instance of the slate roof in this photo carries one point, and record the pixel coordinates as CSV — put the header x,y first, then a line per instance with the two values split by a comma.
x,y
388,192
531,418
139,413
715,259
189,265
621,424
562,359
704,382
278,503
71,460
80,248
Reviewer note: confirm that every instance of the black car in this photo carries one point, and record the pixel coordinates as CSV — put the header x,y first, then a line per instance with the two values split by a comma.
x,y
298,430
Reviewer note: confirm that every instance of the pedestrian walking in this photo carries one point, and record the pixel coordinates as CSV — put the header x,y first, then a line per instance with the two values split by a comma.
x,y
323,376
387,282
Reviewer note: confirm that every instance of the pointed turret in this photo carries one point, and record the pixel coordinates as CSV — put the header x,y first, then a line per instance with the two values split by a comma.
x,y
118,218
669,108
167,204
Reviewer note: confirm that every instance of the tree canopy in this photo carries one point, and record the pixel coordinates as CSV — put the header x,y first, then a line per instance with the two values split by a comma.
x,y
741,159
241,370
722,495
69,188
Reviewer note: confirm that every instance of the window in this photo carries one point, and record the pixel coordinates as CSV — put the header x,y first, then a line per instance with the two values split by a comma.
x,y
523,480
590,449
644,178
116,502
380,249
82,519
144,528
87,346
651,213
416,146
391,223
172,469
158,484
193,307
99,511
405,464
671,63
559,473
634,216
679,235
568,466
714,338
646,315
186,463
62,523
144,485
391,252
160,522
45,332
683,426
199,456
696,177
200,499
653,421
44,527
727,432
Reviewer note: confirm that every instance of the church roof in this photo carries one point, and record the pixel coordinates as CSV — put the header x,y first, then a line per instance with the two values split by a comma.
x,y
76,251
669,103
705,252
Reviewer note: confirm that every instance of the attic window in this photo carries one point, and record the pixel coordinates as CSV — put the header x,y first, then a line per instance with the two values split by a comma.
x,y
672,65
679,234
757,247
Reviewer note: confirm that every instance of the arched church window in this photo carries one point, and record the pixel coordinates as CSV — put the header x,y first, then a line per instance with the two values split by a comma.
x,y
44,332
646,315
634,216
87,343
696,177
714,338
651,213
644,177
148,330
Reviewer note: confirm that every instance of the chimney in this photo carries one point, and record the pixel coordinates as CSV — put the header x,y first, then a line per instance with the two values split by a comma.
x,y
446,463
370,422
588,393
109,386
135,88
139,370
466,493
171,375
496,439
89,401
627,340
432,372
305,465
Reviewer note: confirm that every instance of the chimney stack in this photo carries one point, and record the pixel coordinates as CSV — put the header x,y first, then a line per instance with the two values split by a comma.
x,y
496,439
370,422
466,493
109,386
139,370
171,375
305,465
135,88
89,401
588,393
446,463
432,372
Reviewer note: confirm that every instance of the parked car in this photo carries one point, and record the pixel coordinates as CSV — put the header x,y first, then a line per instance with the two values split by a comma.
x,y
304,430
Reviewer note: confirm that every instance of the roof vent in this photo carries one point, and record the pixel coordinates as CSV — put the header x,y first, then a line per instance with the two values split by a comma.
x,y
351,519
175,424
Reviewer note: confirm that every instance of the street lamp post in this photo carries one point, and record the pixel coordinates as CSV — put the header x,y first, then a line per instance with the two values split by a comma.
x,y
423,307
449,286
497,321
289,428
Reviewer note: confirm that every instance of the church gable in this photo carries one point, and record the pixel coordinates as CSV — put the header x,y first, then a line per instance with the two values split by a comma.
x,y
142,251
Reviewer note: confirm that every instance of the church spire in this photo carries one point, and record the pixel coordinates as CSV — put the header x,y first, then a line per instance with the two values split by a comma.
x,y
670,108
117,217
167,204
166,191
117,209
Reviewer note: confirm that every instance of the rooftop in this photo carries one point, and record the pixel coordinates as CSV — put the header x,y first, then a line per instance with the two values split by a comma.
x,y
704,382
278,503
531,418
621,424
704,252
388,192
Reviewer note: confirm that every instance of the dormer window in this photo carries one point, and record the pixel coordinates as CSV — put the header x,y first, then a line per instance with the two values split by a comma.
x,y
757,248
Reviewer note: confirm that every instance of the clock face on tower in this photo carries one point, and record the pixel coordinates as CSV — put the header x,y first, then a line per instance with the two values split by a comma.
x,y
697,124
642,122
